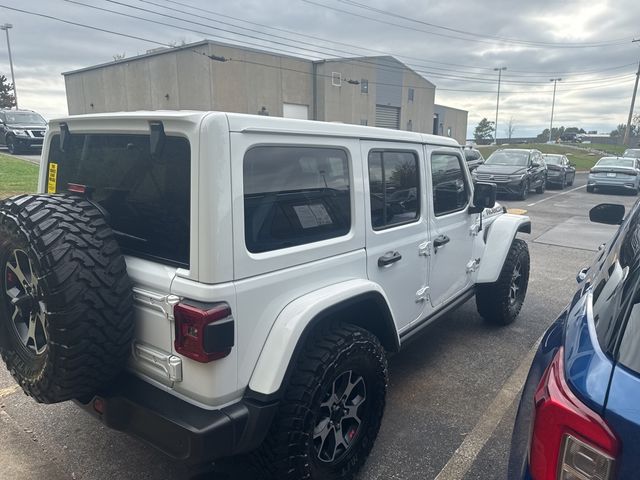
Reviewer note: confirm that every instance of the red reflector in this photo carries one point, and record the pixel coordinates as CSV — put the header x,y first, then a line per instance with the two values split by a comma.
x,y
76,188
203,334
98,405
559,414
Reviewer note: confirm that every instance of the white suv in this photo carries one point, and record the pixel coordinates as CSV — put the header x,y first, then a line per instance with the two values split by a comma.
x,y
219,283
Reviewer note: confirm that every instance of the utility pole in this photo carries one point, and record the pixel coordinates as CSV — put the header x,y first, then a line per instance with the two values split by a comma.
x,y
6,28
499,70
553,103
627,132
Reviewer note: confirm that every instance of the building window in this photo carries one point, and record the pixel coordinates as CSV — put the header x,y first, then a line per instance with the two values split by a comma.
x,y
364,122
411,91
448,131
364,86
410,125
394,181
295,195
336,79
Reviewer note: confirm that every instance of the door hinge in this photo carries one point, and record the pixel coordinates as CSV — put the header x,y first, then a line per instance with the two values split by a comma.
x,y
473,265
474,229
423,294
425,248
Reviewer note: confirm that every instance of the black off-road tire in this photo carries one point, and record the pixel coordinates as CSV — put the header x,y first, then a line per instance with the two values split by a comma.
x,y
496,302
76,293
289,451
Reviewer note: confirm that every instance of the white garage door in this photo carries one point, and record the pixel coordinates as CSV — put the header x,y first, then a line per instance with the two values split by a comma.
x,y
291,110
387,117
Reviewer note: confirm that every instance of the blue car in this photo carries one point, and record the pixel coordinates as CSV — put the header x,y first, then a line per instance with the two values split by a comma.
x,y
579,415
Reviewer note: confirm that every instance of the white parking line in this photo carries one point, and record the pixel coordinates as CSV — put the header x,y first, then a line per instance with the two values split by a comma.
x,y
556,195
463,458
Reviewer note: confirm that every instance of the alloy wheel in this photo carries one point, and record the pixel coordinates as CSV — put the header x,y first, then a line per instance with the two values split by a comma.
x,y
26,309
516,284
340,418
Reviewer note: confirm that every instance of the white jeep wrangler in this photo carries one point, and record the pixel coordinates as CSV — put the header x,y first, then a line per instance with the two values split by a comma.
x,y
218,283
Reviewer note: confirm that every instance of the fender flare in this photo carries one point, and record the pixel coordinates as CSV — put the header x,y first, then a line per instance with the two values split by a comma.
x,y
296,321
498,241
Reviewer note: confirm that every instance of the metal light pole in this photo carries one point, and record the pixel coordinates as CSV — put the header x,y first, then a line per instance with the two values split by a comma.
x,y
6,28
553,103
499,70
627,131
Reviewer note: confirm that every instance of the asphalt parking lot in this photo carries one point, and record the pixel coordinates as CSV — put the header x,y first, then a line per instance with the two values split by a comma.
x,y
452,397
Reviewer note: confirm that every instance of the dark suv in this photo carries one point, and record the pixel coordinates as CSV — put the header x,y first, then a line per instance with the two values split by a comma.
x,y
515,171
473,157
21,130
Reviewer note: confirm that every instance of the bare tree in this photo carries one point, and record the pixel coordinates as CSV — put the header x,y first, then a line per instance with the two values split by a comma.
x,y
511,128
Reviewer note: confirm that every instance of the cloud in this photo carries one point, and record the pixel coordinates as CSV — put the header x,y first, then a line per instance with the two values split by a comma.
x,y
44,48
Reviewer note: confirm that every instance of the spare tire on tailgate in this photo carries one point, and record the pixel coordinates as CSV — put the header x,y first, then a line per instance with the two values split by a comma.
x,y
66,302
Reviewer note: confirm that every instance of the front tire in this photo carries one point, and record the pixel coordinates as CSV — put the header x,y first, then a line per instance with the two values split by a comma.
x,y
590,189
331,410
524,190
12,146
500,302
543,186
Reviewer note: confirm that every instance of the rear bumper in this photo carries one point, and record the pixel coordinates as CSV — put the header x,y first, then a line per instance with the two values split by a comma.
x,y
179,429
555,179
603,182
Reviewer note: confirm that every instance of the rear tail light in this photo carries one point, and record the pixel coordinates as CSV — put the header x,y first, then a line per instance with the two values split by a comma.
x,y
204,332
569,440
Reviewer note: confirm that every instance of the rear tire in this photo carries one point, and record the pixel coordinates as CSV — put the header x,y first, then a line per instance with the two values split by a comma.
x,y
66,302
341,374
543,186
499,303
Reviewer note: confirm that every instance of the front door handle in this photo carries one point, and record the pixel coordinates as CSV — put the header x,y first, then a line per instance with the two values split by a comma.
x,y
389,258
440,241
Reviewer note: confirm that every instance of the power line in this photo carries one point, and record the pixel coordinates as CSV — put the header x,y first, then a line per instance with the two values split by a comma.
x,y
502,39
456,37
213,57
370,64
376,51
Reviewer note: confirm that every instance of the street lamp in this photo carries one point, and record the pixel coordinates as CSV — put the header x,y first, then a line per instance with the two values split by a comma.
x,y
499,70
553,103
6,28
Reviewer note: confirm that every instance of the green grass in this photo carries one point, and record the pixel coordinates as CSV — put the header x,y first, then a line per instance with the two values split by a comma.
x,y
17,176
610,149
581,156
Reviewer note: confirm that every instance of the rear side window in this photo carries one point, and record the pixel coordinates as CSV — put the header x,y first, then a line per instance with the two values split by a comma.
x,y
394,188
294,196
148,199
471,155
450,190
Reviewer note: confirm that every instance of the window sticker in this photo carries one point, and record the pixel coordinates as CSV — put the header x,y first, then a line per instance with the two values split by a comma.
x,y
52,179
321,214
305,216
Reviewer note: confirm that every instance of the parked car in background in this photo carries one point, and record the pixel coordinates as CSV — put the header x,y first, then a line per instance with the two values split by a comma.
x,y
632,152
615,173
571,137
578,416
473,157
21,130
560,172
514,171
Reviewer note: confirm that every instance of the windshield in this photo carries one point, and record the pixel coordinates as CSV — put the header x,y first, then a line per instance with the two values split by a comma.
x,y
632,152
615,162
503,157
553,159
24,118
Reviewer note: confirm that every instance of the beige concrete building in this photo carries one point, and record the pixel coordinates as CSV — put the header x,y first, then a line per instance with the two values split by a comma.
x,y
450,122
375,91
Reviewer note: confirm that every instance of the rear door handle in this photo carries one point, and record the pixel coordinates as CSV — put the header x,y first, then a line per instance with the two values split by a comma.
x,y
389,258
440,241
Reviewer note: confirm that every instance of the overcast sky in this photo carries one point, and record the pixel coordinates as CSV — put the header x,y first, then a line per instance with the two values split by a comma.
x,y
454,44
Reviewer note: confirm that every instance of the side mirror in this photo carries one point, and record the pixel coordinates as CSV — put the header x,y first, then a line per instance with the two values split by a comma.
x,y
607,213
484,196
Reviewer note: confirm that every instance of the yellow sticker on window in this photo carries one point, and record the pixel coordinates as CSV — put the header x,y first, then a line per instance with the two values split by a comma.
x,y
52,179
